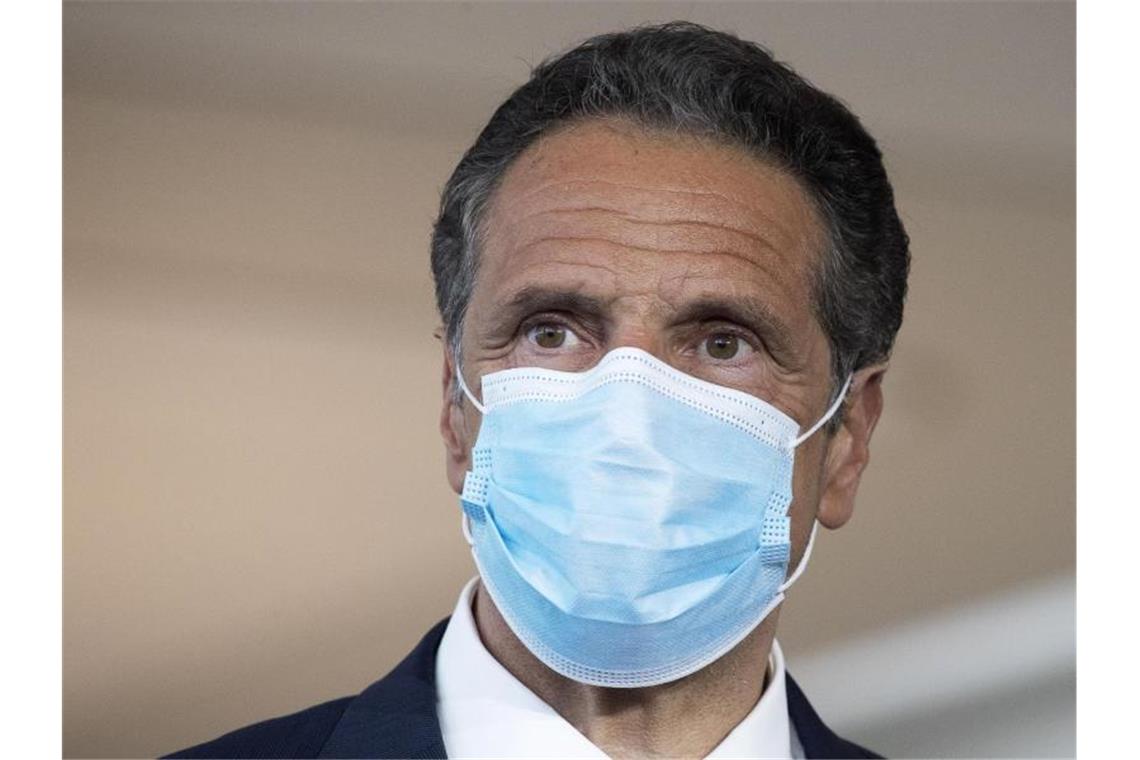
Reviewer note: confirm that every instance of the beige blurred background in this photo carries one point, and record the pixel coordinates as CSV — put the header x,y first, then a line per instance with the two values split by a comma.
x,y
256,516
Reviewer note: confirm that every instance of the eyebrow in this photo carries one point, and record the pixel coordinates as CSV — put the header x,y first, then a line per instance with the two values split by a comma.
x,y
537,298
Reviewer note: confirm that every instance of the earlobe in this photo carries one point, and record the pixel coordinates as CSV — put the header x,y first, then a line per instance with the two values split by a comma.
x,y
850,449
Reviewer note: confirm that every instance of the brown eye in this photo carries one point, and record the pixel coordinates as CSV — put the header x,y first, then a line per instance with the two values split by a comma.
x,y
549,336
722,346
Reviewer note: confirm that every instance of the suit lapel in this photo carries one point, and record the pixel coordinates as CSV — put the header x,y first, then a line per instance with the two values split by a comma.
x,y
817,739
394,717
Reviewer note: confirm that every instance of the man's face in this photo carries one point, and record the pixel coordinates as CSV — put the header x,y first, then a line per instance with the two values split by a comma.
x,y
604,235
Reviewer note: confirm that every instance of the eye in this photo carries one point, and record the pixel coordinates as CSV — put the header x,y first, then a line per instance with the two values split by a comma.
x,y
550,335
722,346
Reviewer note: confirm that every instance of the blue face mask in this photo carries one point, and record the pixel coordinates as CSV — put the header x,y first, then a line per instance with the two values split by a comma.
x,y
630,522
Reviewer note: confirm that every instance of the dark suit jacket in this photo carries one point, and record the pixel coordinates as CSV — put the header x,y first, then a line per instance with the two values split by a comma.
x,y
395,717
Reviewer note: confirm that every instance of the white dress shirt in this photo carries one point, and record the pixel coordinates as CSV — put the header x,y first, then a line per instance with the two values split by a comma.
x,y
485,712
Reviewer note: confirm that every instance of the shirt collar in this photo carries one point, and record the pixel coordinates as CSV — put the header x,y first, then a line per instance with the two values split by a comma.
x,y
484,711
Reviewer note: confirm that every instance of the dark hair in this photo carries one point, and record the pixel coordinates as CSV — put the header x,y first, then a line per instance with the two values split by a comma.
x,y
686,78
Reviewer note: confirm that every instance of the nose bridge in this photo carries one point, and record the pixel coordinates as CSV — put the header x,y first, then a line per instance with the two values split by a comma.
x,y
638,322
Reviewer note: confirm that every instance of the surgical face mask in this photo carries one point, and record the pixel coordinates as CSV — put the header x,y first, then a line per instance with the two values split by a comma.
x,y
630,522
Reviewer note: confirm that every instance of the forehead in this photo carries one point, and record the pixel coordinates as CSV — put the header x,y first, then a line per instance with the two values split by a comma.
x,y
641,204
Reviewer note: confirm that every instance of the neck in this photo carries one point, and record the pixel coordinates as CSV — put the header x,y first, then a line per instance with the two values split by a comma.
x,y
685,718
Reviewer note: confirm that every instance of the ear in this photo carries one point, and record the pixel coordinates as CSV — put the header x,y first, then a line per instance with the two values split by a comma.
x,y
849,450
454,425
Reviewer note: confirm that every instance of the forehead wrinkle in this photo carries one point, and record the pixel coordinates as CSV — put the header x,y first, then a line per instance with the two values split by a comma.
x,y
525,264
697,270
632,161
532,195
752,236
655,188
780,302
609,242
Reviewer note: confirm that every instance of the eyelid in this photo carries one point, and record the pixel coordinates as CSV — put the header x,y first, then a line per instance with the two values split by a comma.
x,y
545,318
552,318
717,327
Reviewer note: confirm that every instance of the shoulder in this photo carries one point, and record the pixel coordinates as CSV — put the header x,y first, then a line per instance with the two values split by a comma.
x,y
301,734
817,739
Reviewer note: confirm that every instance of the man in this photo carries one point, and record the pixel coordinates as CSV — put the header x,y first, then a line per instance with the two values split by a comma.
x,y
670,273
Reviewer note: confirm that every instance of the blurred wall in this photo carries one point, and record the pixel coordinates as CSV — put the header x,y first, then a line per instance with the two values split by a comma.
x,y
256,517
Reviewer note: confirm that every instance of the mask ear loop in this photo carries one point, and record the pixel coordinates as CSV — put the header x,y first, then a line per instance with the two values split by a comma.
x,y
814,523
827,415
779,596
803,560
464,520
467,391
